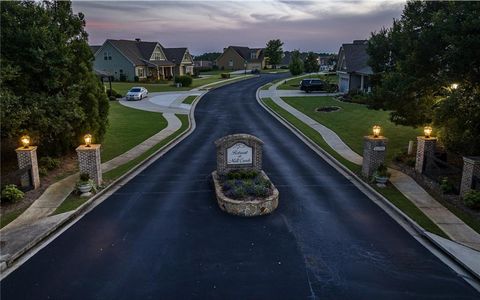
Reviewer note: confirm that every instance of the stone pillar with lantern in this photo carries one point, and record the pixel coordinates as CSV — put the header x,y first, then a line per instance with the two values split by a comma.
x,y
27,158
89,159
374,149
470,174
425,147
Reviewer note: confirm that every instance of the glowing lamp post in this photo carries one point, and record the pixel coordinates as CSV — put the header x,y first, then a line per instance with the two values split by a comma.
x,y
88,140
25,141
27,160
376,131
427,130
374,150
454,86
89,159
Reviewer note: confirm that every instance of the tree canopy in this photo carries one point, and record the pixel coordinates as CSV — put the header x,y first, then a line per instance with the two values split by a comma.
x,y
431,47
296,64
209,56
48,88
311,63
274,52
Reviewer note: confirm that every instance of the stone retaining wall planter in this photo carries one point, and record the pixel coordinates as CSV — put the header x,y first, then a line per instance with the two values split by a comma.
x,y
257,207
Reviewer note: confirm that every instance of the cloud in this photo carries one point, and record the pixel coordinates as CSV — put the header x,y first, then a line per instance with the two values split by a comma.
x,y
211,25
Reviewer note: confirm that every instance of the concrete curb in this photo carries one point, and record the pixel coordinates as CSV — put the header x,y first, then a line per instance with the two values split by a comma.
x,y
375,196
12,262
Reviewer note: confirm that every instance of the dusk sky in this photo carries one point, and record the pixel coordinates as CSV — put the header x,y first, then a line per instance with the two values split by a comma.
x,y
209,26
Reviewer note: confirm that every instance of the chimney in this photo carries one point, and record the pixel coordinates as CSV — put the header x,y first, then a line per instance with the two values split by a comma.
x,y
138,40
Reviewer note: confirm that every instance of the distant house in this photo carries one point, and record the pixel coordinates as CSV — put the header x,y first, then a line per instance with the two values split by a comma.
x,y
131,59
353,71
202,63
240,58
326,62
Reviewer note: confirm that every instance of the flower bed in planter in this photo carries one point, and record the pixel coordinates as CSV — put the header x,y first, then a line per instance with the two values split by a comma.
x,y
245,193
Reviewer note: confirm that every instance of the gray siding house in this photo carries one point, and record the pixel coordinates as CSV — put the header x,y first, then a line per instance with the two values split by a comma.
x,y
128,59
352,68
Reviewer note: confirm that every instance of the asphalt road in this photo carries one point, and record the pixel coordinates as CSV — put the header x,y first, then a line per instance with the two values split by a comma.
x,y
162,236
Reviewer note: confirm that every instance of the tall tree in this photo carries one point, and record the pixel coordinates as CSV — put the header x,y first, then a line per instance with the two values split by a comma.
x,y
311,63
274,52
50,89
296,64
432,46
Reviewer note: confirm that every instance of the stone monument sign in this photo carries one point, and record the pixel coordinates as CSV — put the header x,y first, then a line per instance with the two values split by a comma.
x,y
239,151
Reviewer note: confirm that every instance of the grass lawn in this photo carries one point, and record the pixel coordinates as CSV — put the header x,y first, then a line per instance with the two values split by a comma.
x,y
390,192
292,84
124,87
117,172
127,128
73,201
275,71
189,99
354,121
9,217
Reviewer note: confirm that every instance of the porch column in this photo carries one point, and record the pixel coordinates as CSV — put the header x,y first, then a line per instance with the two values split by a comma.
x,y
158,73
361,82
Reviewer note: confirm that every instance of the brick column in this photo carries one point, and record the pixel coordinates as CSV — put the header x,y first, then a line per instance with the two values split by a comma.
x,y
471,168
89,162
425,147
374,150
28,157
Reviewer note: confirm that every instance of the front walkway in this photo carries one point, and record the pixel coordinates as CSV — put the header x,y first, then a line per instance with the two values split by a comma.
x,y
454,227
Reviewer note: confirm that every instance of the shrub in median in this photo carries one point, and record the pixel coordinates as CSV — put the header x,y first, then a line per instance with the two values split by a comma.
x,y
184,80
472,199
113,93
11,193
225,75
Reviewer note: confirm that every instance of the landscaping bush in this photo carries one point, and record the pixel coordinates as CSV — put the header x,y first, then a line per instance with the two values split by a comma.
x,y
84,177
49,163
225,75
446,186
244,184
42,171
11,193
472,199
184,80
113,93
112,98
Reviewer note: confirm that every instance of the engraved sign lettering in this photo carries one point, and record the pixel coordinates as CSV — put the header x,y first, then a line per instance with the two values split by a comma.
x,y
239,154
379,148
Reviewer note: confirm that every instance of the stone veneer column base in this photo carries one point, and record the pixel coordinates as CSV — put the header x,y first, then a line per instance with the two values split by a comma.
x,y
89,162
374,149
251,208
425,147
471,169
28,157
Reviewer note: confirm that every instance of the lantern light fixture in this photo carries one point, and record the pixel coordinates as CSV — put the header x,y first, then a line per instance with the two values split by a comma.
x,y
454,86
88,140
427,130
25,139
376,131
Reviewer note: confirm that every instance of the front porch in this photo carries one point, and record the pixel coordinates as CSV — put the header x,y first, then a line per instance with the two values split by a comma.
x,y
160,73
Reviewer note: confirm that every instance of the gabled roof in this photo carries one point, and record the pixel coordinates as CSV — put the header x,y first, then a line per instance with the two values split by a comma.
x,y
356,57
139,52
245,53
95,48
175,54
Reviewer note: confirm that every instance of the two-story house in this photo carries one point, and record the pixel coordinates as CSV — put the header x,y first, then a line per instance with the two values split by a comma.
x,y
352,68
136,59
240,58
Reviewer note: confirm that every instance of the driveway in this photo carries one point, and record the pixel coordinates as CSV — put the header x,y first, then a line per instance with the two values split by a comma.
x,y
162,236
166,102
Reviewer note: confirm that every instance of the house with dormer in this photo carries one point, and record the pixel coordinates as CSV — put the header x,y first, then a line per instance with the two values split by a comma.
x,y
130,60
352,68
239,58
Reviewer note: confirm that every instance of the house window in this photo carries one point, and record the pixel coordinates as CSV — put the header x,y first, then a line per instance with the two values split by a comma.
x,y
253,55
230,63
140,72
107,56
157,55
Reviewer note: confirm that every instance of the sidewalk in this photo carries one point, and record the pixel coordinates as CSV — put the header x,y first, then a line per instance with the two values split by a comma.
x,y
37,220
454,227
